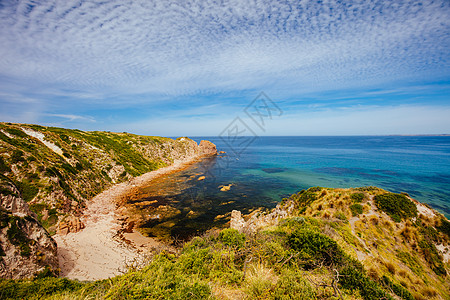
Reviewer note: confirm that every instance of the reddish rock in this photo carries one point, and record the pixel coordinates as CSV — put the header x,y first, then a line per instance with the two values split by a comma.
x,y
207,148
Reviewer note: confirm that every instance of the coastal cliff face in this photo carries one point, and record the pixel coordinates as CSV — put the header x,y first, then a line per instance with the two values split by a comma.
x,y
55,171
26,248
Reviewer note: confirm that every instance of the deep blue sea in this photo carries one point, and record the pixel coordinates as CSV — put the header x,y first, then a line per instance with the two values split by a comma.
x,y
263,171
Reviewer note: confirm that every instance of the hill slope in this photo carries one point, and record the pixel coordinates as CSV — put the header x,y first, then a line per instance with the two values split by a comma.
x,y
52,172
363,243
57,170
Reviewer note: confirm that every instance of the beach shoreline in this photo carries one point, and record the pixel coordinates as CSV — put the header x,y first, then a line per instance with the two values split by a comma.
x,y
103,249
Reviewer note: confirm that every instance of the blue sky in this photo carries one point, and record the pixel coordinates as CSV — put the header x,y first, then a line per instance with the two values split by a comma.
x,y
189,68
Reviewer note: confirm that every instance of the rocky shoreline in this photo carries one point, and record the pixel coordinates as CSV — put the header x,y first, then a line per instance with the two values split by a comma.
x,y
107,244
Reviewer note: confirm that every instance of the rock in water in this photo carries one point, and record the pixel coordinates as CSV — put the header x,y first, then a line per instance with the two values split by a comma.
x,y
207,148
26,248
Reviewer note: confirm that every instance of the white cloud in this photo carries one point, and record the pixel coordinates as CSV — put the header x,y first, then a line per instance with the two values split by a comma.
x,y
176,48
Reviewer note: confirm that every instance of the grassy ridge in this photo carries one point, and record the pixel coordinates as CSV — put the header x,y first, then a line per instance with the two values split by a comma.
x,y
321,251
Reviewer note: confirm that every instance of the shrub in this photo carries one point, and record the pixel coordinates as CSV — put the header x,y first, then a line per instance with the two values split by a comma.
x,y
231,237
17,237
397,289
397,206
69,168
411,261
17,156
316,247
444,227
355,279
65,138
356,209
4,168
16,132
292,285
161,279
357,197
431,255
36,289
305,197
341,216
27,190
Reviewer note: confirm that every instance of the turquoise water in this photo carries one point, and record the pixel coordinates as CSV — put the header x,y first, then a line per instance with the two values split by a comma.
x,y
418,165
263,171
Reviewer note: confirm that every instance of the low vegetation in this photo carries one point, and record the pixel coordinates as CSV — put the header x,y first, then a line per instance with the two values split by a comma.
x,y
398,206
315,253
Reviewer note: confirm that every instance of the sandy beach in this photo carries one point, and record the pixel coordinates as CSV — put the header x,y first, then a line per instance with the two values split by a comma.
x,y
97,252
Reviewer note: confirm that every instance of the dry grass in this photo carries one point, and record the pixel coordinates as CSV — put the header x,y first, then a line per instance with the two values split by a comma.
x,y
390,267
402,273
259,280
374,220
373,273
429,292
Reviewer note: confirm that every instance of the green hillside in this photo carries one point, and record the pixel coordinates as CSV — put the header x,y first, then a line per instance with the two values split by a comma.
x,y
57,170
362,243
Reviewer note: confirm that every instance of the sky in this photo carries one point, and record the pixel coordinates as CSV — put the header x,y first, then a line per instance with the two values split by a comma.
x,y
190,68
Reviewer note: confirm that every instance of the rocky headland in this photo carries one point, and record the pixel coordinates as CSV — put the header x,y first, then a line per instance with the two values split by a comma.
x,y
67,184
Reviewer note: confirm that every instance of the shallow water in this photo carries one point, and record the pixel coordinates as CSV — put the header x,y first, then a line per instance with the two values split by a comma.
x,y
271,168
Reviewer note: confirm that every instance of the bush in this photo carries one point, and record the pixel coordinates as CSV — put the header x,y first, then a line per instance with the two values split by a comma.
x,y
292,285
356,279
305,197
397,289
432,256
4,168
17,156
444,227
17,237
411,261
231,237
316,247
397,206
36,289
356,209
27,190
357,197
161,279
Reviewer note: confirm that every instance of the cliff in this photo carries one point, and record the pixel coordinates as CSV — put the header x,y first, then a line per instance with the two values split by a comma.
x,y
51,173
57,170
25,246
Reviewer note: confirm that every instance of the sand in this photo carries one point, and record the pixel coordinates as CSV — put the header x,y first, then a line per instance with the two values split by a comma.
x,y
97,251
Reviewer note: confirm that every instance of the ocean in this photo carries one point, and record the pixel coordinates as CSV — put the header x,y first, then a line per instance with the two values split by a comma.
x,y
260,172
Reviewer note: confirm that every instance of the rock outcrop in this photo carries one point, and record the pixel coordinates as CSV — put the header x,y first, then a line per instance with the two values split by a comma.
x,y
72,224
258,220
207,148
26,248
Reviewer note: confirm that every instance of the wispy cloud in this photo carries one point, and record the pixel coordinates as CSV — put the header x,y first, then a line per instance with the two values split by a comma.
x,y
129,53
